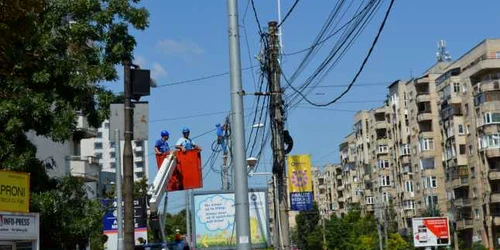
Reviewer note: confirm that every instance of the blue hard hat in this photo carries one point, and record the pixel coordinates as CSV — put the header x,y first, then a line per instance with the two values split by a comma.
x,y
185,130
165,133
217,125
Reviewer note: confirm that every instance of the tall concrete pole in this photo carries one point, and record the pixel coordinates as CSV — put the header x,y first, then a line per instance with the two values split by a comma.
x,y
188,218
118,190
238,133
128,178
277,117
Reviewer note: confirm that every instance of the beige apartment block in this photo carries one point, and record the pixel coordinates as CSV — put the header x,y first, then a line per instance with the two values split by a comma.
x,y
469,97
435,143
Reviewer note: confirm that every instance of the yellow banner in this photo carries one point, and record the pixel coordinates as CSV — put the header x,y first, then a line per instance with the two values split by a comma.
x,y
14,191
299,173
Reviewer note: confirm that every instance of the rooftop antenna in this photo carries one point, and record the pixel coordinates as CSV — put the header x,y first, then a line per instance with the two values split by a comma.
x,y
442,54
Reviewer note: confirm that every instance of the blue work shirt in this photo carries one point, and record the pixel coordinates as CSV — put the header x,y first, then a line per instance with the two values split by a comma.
x,y
220,131
186,143
162,145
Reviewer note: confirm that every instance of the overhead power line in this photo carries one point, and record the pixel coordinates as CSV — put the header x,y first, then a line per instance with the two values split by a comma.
x,y
256,17
365,60
288,13
200,78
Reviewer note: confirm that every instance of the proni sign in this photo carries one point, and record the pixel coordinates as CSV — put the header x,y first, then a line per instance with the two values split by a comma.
x,y
14,191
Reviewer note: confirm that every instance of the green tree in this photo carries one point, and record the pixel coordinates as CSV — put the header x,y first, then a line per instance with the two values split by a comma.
x,y
307,222
396,242
432,211
68,218
53,56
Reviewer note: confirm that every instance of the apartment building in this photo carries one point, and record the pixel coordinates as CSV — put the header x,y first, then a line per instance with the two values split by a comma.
x,y
105,151
435,143
68,158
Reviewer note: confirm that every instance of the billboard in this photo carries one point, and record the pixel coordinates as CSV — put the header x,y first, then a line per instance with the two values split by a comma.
x,y
14,191
300,182
110,224
141,120
213,220
431,232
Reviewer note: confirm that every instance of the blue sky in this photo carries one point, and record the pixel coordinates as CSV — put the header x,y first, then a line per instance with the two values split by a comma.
x,y
188,39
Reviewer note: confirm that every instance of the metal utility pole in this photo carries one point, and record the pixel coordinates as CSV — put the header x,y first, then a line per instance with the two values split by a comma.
x,y
276,113
118,190
237,125
128,178
188,217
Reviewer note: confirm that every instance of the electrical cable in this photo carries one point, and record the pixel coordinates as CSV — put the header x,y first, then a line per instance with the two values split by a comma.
x,y
199,79
288,13
256,17
365,60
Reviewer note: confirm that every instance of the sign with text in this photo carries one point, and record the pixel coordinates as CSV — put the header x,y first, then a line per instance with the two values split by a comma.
x,y
14,191
431,232
110,222
299,173
214,223
25,225
301,201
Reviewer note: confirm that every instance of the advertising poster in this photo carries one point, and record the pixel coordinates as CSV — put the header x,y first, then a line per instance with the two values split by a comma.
x,y
110,223
300,182
214,214
14,191
431,232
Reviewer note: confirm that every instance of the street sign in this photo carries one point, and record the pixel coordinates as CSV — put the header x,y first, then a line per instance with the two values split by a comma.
x,y
14,191
431,232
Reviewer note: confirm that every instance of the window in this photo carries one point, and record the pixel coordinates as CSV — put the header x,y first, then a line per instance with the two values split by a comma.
x,y
497,54
139,175
426,144
461,149
386,197
385,180
369,200
468,129
409,186
474,192
490,117
98,145
112,144
106,125
408,204
460,129
489,141
471,150
427,163
383,149
456,87
431,200
98,155
112,165
383,164
477,215
355,178
99,134
112,154
405,149
430,182
466,108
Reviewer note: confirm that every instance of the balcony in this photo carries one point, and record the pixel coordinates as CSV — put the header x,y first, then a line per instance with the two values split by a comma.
x,y
462,181
423,97
339,177
406,159
464,223
486,86
380,125
340,188
496,220
424,116
83,127
495,197
494,174
492,152
489,128
85,167
138,149
462,202
138,158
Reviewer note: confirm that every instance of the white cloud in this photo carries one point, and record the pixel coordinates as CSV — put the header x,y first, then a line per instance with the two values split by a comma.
x,y
158,71
141,61
180,47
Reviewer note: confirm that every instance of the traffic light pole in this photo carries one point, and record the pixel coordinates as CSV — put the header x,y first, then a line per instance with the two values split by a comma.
x,y
128,178
276,113
240,170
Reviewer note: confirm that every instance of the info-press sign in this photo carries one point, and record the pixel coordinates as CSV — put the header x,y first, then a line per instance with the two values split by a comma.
x,y
21,225
110,222
214,214
14,191
431,232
